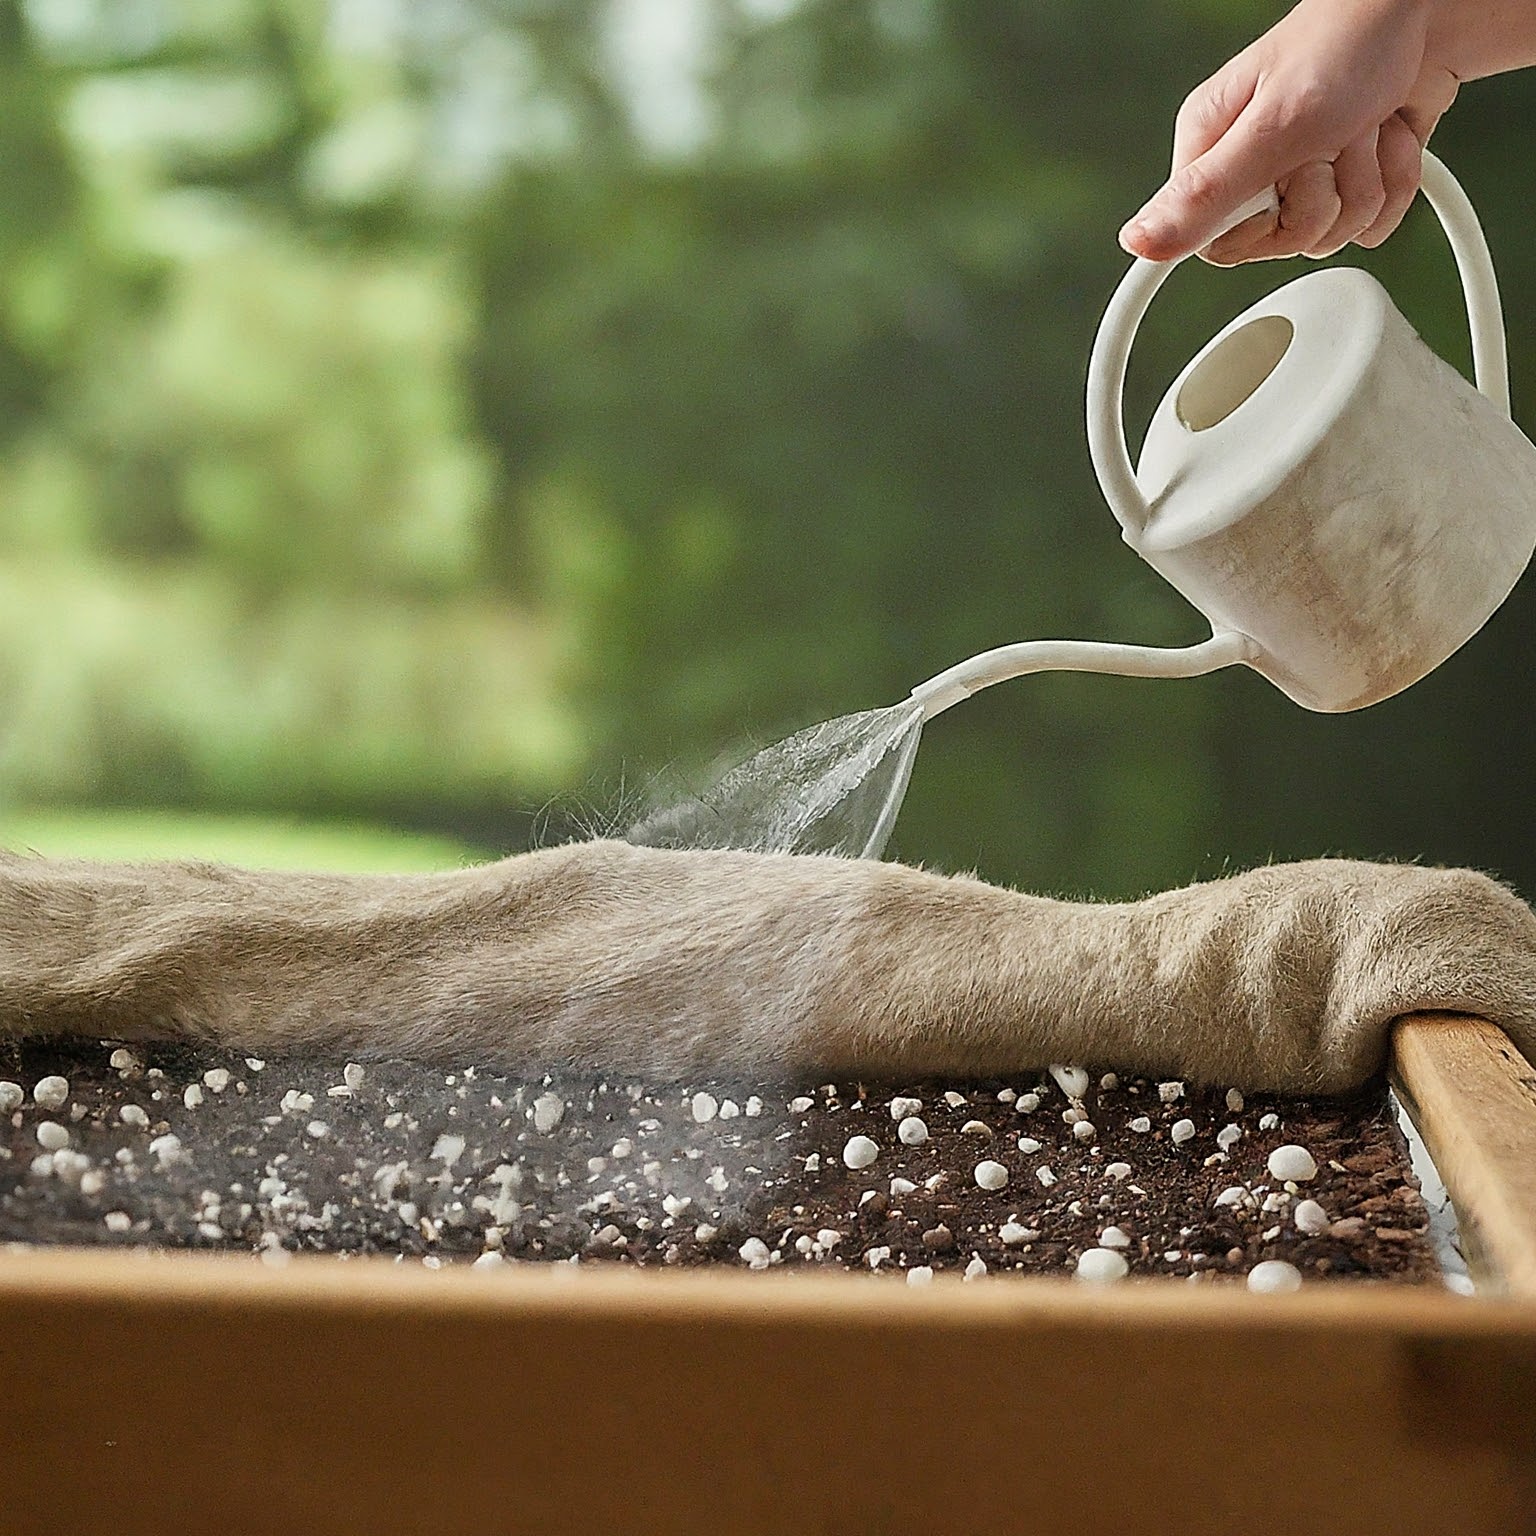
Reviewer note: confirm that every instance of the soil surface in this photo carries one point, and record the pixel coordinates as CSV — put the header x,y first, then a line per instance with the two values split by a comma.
x,y
175,1148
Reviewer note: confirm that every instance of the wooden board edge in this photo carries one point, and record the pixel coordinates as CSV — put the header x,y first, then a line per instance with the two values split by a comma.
x,y
1472,1096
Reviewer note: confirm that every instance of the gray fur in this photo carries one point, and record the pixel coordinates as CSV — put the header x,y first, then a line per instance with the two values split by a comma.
x,y
609,957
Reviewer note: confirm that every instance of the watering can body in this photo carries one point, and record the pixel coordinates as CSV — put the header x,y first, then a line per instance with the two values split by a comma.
x,y
1318,481
1342,506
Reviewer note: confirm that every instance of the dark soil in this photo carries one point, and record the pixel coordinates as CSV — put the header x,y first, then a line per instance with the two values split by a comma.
x,y
436,1165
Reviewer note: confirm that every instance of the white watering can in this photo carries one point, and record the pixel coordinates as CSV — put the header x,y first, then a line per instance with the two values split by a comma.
x,y
1341,505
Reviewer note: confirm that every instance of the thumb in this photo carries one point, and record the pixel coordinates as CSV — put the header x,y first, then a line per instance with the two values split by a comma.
x,y
1197,203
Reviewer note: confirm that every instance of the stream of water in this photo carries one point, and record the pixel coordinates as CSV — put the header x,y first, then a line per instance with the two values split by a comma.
x,y
835,787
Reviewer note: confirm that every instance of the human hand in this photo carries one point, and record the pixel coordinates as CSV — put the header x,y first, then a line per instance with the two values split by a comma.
x,y
1332,107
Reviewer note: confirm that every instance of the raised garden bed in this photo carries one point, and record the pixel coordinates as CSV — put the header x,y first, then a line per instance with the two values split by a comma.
x,y
173,1390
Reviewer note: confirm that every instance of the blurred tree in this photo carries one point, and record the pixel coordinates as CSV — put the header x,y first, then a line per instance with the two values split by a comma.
x,y
418,410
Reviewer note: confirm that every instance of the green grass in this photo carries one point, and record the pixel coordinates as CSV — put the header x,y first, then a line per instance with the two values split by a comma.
x,y
253,841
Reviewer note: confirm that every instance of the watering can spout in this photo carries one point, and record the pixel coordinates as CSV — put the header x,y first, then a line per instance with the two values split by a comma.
x,y
959,682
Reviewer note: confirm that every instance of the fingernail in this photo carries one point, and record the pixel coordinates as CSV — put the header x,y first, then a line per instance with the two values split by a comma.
x,y
1143,231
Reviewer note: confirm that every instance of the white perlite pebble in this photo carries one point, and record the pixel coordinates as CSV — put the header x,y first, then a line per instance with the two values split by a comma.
x,y
353,1075
1228,1137
875,1257
447,1150
1310,1217
921,1275
133,1114
192,1095
754,1252
1102,1266
912,1131
123,1060
488,1260
1012,1234
1006,1095
1026,1104
1170,1093
955,1100
1072,1081
704,1107
859,1152
1028,1145
1109,1083
51,1136
1269,1122
754,1107
675,1205
11,1097
548,1112
216,1079
901,1187
51,1092
1274,1275
729,1109
1046,1177
167,1148
800,1105
1234,1102
975,1128
1084,1130
317,1129
975,1269
902,1107
117,1221
1114,1237
1141,1125
1291,1163
1233,1195
990,1175
1183,1130
1118,1171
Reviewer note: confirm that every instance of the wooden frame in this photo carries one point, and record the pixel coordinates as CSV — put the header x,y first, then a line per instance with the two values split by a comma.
x,y
183,1393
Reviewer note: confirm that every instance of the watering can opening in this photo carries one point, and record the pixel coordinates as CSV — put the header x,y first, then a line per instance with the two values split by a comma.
x,y
1230,373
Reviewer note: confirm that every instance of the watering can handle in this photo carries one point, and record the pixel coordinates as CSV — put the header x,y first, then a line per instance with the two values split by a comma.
x,y
1117,331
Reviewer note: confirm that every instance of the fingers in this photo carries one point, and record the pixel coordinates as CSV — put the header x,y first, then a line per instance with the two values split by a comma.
x,y
1199,194
1362,194
1310,206
1197,200
1400,157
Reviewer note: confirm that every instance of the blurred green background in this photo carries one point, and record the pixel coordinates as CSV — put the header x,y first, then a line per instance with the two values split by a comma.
x,y
441,417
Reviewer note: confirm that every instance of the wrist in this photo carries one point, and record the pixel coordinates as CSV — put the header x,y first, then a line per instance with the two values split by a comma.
x,y
1472,39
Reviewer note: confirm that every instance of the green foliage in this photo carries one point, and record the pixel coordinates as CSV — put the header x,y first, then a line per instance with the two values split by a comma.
x,y
418,412
251,842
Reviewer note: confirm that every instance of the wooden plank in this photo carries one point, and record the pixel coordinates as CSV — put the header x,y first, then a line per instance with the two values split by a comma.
x,y
199,1393
1473,1097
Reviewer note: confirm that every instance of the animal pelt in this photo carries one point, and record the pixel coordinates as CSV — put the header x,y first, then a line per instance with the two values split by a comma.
x,y
609,957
